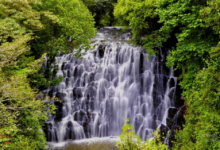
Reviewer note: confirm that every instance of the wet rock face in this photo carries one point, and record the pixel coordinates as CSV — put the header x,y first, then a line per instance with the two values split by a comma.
x,y
41,95
59,113
163,131
115,81
49,131
172,112
175,122
101,50
179,101
77,93
180,120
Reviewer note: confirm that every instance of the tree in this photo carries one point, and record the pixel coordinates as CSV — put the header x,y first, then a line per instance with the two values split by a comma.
x,y
137,14
102,10
142,18
194,41
129,141
19,18
74,28
21,115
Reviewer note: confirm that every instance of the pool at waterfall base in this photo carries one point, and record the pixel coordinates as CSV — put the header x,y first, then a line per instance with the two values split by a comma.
x,y
107,143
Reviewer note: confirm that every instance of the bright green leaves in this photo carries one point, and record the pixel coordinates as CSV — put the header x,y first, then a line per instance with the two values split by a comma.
x,y
129,141
138,13
61,20
210,14
10,29
202,120
194,42
128,138
10,51
200,81
19,18
76,20
191,29
21,115
142,17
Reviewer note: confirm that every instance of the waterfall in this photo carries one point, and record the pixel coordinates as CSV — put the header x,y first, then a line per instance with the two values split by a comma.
x,y
113,81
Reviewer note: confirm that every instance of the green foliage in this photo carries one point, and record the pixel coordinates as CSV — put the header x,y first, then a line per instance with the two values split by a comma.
x,y
53,23
139,14
21,115
28,30
191,28
142,17
202,127
194,41
129,141
76,22
18,19
106,19
210,15
102,10
201,130
73,20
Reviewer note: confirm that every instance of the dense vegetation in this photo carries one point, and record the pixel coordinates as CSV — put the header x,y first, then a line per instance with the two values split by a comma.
x,y
35,31
28,31
191,29
102,10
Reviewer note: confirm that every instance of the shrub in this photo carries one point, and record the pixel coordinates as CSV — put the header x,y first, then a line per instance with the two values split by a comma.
x,y
130,141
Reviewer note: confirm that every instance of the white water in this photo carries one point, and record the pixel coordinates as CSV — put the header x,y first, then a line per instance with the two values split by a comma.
x,y
99,93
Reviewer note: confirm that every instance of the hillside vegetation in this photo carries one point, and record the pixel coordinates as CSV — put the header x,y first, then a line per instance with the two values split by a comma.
x,y
33,32
190,28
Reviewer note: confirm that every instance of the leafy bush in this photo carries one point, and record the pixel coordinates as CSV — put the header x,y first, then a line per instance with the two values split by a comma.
x,y
129,141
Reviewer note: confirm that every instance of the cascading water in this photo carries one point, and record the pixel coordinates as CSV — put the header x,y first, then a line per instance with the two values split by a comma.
x,y
113,82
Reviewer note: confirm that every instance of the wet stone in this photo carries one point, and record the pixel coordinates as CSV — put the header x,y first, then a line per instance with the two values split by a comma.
x,y
75,71
172,83
138,121
62,67
157,100
172,112
69,124
69,74
61,95
41,95
90,91
91,77
50,93
169,122
58,116
101,50
67,66
171,94
163,130
180,119
77,93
